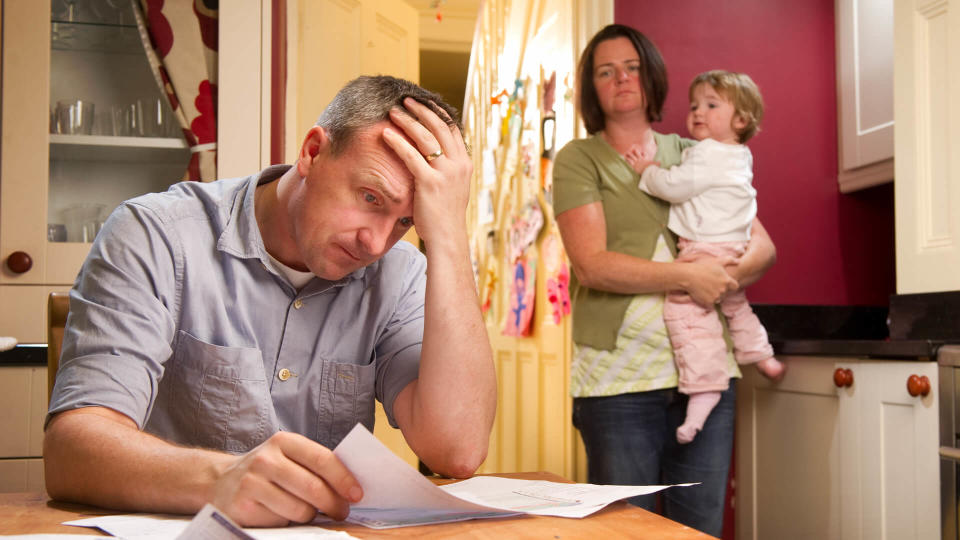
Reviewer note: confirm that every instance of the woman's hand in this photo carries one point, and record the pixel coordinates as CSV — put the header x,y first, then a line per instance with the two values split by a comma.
x,y
759,257
707,281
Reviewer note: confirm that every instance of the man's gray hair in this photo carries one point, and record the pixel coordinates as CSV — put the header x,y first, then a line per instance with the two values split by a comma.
x,y
367,100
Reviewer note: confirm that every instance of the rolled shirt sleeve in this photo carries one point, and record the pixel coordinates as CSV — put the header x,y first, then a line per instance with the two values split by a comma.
x,y
120,327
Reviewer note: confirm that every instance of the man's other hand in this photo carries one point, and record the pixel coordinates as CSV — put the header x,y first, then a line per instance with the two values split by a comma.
x,y
285,479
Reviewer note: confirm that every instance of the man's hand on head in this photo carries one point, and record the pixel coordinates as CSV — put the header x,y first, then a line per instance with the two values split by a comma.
x,y
437,157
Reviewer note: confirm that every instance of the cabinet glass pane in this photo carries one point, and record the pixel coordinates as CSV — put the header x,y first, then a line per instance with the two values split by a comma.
x,y
112,133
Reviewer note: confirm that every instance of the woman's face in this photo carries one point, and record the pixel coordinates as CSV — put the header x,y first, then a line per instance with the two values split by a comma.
x,y
616,76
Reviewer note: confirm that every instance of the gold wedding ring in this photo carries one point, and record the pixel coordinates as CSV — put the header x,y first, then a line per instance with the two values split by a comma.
x,y
435,155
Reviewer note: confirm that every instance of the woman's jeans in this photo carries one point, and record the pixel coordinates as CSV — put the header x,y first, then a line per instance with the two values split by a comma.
x,y
631,440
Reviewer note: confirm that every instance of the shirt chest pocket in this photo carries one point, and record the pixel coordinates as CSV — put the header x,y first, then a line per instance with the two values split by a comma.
x,y
346,397
215,397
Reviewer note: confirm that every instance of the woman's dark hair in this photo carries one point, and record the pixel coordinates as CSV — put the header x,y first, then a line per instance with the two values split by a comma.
x,y
653,76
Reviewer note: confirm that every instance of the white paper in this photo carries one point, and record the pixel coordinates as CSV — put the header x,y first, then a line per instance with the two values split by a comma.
x,y
396,495
49,536
169,527
545,498
139,526
212,524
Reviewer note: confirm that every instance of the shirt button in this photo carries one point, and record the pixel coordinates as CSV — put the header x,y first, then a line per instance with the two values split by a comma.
x,y
297,304
284,374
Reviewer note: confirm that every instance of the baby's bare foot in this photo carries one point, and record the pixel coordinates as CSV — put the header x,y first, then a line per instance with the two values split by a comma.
x,y
772,369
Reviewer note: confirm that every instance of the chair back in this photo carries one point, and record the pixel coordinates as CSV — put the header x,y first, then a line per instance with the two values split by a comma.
x,y
58,305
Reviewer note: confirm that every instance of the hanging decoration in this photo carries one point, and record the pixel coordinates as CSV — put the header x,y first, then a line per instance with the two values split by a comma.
x,y
558,275
180,39
437,4
548,136
526,221
522,298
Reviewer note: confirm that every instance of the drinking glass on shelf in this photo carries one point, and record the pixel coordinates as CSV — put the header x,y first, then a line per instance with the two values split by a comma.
x,y
118,119
83,221
103,123
159,118
74,117
134,116
56,232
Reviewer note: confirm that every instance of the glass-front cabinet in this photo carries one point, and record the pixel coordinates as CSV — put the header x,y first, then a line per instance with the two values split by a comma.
x,y
111,130
85,127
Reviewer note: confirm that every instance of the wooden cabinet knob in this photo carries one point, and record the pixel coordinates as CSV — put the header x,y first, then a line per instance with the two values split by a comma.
x,y
19,262
843,377
918,385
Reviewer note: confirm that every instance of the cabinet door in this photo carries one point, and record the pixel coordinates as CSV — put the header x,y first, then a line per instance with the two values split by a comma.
x,y
21,475
55,55
927,82
23,398
793,444
243,88
337,41
865,92
331,43
26,120
899,463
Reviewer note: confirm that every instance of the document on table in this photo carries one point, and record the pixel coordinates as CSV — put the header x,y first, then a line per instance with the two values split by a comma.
x,y
396,495
208,524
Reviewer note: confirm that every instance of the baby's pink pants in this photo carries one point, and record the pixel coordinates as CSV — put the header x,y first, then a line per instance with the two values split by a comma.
x,y
696,332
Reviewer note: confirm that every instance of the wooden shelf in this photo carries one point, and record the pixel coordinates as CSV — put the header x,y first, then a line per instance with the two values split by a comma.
x,y
122,149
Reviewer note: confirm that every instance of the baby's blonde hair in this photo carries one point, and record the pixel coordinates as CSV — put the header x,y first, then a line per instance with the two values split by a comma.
x,y
740,89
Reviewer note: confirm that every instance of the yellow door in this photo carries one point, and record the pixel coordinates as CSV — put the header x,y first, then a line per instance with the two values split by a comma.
x,y
337,41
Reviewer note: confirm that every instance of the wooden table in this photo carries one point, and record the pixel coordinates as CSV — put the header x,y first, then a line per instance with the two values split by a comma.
x,y
29,513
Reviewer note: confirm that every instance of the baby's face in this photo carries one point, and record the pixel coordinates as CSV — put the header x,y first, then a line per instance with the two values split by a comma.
x,y
712,116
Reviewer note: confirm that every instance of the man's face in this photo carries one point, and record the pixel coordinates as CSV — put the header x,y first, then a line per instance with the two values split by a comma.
x,y
354,207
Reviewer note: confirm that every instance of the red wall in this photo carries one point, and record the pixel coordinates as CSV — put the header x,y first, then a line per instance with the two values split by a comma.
x,y
831,248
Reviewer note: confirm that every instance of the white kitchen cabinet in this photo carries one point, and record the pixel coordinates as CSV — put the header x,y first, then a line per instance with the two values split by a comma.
x,y
22,476
818,461
23,398
91,51
864,34
926,194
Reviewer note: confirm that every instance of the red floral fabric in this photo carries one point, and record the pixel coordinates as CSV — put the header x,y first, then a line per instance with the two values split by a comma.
x,y
183,55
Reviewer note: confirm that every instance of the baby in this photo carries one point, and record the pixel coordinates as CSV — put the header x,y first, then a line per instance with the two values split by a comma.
x,y
713,207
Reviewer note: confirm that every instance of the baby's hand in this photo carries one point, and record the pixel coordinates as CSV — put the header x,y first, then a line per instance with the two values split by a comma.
x,y
636,158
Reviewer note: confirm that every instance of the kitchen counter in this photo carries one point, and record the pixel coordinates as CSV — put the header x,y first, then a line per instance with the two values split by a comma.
x,y
914,327
25,354
840,331
913,349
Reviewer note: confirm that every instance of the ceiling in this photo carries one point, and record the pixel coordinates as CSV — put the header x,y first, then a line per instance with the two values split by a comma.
x,y
453,32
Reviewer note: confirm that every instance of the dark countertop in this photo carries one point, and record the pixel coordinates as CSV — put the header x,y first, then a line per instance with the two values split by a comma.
x,y
913,327
913,349
25,354
841,331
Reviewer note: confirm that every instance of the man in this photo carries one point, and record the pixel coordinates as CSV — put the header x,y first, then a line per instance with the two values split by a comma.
x,y
223,337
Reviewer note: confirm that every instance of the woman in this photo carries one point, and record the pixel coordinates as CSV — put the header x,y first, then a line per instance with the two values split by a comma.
x,y
623,377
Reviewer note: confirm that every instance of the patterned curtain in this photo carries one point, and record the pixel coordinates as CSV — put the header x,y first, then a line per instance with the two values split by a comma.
x,y
180,38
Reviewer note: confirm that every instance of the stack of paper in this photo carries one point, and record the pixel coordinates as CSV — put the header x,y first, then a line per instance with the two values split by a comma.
x,y
396,495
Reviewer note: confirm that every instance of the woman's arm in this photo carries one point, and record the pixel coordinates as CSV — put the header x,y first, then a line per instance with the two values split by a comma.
x,y
759,257
584,233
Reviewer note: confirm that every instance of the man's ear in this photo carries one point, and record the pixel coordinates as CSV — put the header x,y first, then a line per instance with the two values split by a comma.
x,y
314,143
